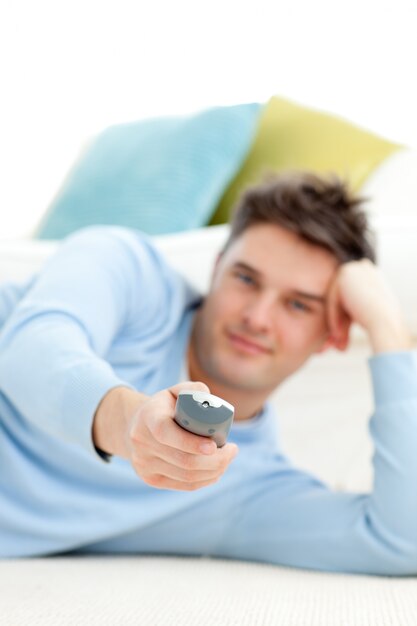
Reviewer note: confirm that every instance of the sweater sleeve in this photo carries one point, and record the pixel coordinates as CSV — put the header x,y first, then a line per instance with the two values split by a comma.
x,y
291,518
53,345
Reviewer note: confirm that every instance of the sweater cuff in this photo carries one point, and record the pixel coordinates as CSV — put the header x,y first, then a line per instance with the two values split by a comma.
x,y
87,384
394,376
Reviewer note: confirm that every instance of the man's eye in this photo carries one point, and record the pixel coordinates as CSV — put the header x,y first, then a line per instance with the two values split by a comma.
x,y
299,306
245,278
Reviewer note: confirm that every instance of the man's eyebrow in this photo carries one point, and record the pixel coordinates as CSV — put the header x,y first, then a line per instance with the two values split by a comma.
x,y
310,296
248,268
296,292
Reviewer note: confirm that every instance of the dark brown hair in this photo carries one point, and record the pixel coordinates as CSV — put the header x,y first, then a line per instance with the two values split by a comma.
x,y
320,209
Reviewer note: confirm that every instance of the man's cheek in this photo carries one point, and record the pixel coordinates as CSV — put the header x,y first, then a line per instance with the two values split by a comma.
x,y
316,326
302,337
226,314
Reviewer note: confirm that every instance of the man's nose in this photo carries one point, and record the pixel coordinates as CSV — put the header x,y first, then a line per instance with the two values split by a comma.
x,y
258,315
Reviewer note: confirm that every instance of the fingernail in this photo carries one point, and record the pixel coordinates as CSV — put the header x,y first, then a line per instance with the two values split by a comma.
x,y
207,448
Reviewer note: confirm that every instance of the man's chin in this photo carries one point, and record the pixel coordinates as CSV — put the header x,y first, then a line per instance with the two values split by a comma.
x,y
243,379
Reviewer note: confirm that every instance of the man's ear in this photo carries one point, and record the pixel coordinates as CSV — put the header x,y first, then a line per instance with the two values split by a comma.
x,y
339,344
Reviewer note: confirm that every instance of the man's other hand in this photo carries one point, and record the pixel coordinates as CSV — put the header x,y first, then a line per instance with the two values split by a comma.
x,y
359,293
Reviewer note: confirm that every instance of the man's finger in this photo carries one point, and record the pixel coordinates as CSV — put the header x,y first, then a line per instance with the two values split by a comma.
x,y
184,474
332,314
220,459
169,433
345,324
162,482
188,386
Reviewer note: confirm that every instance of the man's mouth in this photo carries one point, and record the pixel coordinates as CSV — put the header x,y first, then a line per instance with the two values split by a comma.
x,y
247,345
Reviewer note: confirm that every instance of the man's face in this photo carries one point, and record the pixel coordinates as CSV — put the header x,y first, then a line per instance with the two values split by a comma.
x,y
265,312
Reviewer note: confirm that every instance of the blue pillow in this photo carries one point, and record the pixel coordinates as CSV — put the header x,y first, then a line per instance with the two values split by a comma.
x,y
160,175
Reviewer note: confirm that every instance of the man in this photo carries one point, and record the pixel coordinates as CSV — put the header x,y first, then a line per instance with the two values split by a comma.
x,y
91,354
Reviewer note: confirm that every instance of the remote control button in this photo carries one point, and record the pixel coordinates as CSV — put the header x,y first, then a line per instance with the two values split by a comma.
x,y
185,422
211,431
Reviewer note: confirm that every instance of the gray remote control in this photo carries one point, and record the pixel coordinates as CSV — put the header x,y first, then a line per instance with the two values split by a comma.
x,y
202,413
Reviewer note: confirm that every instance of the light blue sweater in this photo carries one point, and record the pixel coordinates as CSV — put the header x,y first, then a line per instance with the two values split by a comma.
x,y
107,310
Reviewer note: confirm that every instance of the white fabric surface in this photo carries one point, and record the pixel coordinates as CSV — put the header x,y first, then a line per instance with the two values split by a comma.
x,y
161,591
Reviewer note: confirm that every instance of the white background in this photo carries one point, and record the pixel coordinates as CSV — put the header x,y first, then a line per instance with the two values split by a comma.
x,y
70,68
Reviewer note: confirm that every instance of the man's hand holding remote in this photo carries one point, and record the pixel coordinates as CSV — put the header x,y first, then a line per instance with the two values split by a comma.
x,y
141,429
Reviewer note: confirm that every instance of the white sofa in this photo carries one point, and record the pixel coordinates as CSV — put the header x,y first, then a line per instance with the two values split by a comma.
x,y
323,413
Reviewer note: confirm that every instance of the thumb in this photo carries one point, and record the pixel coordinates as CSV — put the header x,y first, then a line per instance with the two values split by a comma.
x,y
188,386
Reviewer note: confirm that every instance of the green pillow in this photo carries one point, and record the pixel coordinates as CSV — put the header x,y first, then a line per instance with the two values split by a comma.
x,y
291,136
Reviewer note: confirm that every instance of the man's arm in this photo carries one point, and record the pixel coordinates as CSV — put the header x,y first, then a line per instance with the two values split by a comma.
x,y
289,517
102,284
53,347
292,518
